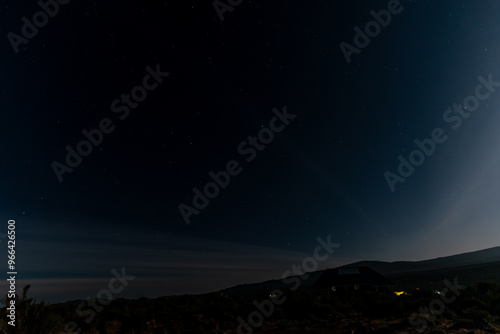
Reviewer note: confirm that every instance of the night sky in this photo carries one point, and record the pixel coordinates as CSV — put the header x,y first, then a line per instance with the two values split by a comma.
x,y
308,134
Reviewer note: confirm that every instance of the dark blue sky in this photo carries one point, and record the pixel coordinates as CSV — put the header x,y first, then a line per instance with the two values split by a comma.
x,y
322,174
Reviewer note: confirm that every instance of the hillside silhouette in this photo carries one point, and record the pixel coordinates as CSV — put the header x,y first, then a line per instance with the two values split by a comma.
x,y
366,304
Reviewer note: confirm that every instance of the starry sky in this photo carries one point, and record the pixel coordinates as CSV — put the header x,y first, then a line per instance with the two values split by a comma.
x,y
215,88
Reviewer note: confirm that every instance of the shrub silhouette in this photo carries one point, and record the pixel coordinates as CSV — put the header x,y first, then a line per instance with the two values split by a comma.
x,y
31,317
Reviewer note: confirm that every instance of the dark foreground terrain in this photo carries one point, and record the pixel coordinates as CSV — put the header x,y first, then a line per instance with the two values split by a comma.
x,y
471,304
